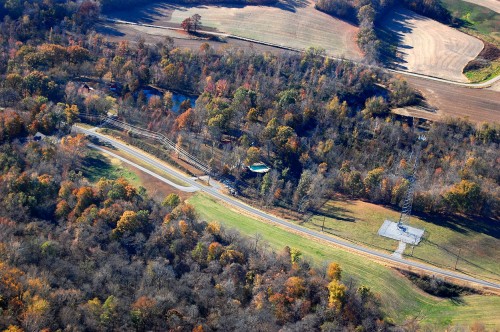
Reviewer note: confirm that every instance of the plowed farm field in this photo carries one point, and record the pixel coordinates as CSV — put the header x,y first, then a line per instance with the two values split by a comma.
x,y
428,47
293,24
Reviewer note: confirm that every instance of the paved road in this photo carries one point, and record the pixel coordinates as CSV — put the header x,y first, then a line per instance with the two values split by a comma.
x,y
285,224
188,189
255,41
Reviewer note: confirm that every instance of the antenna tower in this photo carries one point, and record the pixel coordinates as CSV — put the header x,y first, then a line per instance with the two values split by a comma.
x,y
404,218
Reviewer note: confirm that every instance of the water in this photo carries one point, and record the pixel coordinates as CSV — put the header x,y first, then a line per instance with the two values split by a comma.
x,y
177,98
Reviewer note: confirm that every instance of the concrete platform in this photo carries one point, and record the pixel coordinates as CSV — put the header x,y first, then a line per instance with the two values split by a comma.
x,y
408,234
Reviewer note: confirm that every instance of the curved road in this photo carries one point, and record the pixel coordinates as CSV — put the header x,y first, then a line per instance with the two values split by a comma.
x,y
189,189
285,224
395,71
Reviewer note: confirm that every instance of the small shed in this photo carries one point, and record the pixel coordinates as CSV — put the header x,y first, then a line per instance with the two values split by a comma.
x,y
38,137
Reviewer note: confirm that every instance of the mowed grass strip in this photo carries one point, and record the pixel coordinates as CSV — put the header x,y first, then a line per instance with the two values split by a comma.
x,y
149,167
400,298
96,165
477,241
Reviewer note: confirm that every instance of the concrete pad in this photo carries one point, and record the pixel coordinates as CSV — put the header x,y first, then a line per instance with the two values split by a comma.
x,y
399,251
408,234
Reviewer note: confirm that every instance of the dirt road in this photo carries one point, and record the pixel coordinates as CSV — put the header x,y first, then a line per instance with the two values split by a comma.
x,y
478,105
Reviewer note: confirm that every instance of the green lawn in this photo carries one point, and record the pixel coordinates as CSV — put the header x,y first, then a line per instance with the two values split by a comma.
x,y
149,167
96,165
477,19
478,242
399,297
483,23
484,74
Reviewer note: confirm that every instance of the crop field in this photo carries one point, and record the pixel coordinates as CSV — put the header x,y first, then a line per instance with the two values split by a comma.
x,y
477,241
428,47
400,297
292,23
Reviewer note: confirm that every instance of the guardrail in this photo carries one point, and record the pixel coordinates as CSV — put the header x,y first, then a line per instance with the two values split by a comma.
x,y
169,144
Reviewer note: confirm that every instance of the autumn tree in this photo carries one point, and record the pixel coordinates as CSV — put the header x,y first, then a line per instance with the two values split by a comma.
x,y
465,196
171,201
336,294
333,272
187,24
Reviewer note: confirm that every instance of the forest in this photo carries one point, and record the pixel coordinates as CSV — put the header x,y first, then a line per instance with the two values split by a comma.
x,y
324,126
79,256
105,257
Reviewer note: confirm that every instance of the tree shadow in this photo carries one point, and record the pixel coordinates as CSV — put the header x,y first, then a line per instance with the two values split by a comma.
x,y
465,224
391,31
147,14
334,212
109,31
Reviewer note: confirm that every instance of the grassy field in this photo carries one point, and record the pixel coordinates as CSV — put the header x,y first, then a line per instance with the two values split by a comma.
x,y
477,19
290,23
96,165
149,167
482,22
477,242
484,74
401,300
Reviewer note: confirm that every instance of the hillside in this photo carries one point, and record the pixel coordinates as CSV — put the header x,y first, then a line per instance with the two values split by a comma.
x,y
293,24
428,47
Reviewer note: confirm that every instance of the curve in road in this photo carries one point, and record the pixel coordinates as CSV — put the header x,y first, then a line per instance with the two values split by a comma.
x,y
189,189
287,225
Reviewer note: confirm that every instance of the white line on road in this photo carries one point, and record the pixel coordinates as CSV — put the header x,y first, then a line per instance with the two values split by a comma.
x,y
288,225
189,189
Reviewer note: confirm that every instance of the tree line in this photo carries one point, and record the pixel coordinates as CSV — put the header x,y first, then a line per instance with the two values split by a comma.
x,y
368,13
323,126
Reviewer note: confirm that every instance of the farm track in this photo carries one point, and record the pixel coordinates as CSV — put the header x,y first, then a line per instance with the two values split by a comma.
x,y
478,105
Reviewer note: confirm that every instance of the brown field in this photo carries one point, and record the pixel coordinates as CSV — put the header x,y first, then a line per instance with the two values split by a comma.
x,y
428,47
117,32
290,23
491,4
478,105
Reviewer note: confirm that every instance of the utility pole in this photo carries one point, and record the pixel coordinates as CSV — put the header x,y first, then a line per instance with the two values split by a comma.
x,y
323,225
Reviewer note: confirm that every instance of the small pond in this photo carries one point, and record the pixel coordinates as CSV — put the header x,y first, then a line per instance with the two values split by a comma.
x,y
177,98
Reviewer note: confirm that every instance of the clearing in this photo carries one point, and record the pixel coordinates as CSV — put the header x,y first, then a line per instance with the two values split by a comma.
x,y
98,164
295,24
477,242
401,299
428,47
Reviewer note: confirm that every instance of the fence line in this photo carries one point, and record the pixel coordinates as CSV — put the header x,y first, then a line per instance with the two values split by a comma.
x,y
183,154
